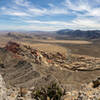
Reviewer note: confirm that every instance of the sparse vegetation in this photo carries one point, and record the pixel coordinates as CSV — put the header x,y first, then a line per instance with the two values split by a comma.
x,y
66,41
52,92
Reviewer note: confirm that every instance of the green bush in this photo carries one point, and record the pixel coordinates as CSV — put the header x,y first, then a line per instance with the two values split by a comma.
x,y
52,92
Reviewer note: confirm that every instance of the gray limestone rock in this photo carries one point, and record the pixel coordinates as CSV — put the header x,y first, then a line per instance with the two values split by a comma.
x,y
3,95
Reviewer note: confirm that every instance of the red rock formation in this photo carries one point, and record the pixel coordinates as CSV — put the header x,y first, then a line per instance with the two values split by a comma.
x,y
13,47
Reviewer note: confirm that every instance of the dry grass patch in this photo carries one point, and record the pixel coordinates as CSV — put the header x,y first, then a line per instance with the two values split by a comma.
x,y
66,41
50,48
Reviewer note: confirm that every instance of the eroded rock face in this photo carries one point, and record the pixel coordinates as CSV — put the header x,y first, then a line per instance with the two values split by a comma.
x,y
3,95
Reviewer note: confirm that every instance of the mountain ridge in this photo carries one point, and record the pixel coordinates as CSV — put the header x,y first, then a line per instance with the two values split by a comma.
x,y
88,34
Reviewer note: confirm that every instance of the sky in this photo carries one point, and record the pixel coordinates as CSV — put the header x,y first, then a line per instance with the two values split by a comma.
x,y
49,15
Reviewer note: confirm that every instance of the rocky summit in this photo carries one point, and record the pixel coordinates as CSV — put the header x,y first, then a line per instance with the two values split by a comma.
x,y
25,69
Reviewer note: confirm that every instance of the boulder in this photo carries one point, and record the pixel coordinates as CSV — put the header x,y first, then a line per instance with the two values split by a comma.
x,y
3,95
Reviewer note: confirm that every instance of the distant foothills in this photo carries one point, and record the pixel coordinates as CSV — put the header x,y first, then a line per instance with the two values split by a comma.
x,y
70,33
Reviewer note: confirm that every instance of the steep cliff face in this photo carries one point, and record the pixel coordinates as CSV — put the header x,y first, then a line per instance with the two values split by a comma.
x,y
3,95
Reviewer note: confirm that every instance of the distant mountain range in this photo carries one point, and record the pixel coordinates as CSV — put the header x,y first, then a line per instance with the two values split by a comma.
x,y
90,34
61,34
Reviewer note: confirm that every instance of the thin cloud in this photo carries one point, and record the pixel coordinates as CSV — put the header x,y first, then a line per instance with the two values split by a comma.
x,y
84,6
17,14
86,23
27,8
79,5
47,22
23,3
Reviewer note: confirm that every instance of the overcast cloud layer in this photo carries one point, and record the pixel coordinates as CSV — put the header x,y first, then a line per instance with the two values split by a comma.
x,y
49,15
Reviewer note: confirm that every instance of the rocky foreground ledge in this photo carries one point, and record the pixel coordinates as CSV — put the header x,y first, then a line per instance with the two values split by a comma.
x,y
90,91
3,89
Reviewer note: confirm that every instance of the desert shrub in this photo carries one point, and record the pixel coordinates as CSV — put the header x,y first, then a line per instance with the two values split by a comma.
x,y
52,92
96,83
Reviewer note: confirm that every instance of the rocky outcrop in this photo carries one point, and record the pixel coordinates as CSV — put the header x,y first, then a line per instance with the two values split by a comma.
x,y
72,62
3,94
87,92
